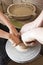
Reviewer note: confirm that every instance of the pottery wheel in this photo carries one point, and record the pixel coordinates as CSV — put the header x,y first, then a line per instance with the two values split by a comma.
x,y
19,56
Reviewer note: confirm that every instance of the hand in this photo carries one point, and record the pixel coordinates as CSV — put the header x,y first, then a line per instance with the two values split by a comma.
x,y
29,26
14,35
14,40
34,34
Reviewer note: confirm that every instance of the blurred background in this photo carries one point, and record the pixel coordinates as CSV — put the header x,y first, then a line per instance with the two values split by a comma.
x,y
5,3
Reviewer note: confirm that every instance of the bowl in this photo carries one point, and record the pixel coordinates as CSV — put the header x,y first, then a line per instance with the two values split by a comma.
x,y
21,11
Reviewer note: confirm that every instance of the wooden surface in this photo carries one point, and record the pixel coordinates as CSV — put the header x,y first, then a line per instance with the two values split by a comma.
x,y
38,61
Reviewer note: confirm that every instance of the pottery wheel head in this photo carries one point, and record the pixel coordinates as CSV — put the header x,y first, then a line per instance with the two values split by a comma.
x,y
24,56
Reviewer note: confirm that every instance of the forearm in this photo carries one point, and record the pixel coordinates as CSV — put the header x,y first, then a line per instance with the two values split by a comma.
x,y
8,23
39,19
5,20
4,34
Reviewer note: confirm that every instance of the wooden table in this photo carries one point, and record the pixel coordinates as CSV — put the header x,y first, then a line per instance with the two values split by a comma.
x,y
38,61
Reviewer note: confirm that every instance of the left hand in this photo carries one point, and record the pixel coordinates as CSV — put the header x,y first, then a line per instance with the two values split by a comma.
x,y
29,26
34,34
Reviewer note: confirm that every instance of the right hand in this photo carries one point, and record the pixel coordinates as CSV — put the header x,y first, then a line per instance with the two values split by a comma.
x,y
14,35
14,39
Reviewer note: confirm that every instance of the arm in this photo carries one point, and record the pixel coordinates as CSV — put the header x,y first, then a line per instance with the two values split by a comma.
x,y
39,19
8,23
4,34
38,22
13,36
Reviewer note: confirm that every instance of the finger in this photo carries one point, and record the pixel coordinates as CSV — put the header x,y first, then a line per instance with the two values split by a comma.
x,y
31,44
15,39
13,43
14,31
